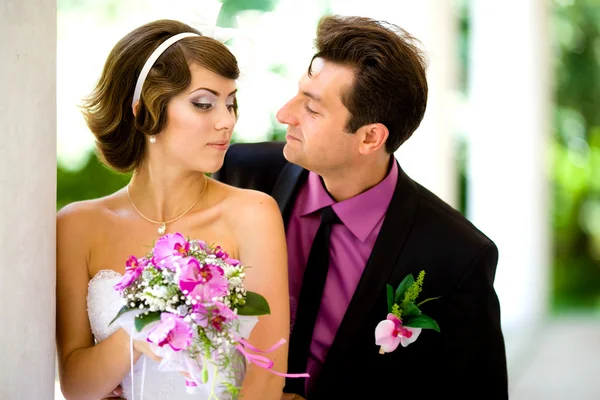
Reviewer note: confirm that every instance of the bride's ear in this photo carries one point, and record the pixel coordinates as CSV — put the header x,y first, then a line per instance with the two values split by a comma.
x,y
135,108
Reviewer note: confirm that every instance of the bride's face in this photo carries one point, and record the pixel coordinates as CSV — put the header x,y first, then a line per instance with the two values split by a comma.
x,y
200,122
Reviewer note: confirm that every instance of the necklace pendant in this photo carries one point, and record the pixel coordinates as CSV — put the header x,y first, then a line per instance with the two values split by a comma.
x,y
162,229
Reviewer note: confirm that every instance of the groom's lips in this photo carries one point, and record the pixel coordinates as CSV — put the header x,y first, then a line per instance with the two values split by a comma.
x,y
290,137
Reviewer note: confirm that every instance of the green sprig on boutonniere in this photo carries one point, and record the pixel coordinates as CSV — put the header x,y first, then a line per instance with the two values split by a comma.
x,y
405,320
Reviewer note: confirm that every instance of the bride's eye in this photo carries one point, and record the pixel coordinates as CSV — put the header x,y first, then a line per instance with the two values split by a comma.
x,y
203,106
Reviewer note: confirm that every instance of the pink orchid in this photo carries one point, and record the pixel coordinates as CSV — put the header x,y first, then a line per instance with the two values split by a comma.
x,y
169,245
215,315
171,330
390,332
201,244
220,253
202,282
133,269
232,261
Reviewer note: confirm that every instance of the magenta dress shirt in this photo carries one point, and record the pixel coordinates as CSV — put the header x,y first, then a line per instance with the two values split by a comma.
x,y
351,244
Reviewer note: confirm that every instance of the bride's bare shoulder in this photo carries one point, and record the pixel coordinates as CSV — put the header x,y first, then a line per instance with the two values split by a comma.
x,y
82,215
246,206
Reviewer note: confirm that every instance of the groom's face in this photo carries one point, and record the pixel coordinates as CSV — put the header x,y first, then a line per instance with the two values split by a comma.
x,y
317,118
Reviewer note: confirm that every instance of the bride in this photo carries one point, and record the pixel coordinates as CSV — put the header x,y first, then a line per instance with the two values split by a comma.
x,y
169,128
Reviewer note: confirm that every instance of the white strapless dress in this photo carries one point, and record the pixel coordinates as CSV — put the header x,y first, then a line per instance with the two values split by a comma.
x,y
103,303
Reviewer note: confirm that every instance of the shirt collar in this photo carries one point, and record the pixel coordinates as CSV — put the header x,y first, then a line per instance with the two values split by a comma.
x,y
361,213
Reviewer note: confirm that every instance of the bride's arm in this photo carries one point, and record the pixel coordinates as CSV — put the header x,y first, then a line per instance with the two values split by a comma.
x,y
263,248
86,371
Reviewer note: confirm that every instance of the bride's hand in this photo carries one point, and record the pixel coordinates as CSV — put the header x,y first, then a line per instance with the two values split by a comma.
x,y
143,347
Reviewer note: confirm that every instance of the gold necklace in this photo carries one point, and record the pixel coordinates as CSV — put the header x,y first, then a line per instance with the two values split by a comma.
x,y
162,229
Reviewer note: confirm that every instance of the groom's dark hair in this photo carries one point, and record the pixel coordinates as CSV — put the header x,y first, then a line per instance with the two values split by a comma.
x,y
390,86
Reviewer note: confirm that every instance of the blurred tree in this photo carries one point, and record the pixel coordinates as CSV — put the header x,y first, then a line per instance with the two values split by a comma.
x,y
92,181
576,154
231,8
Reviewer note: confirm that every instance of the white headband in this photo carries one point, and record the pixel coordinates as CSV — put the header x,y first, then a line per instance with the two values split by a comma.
x,y
152,59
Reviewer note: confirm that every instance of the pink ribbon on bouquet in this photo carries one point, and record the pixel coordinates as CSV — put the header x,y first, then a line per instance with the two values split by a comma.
x,y
262,361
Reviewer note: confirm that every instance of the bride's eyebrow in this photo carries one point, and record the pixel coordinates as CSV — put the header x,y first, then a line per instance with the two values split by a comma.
x,y
213,91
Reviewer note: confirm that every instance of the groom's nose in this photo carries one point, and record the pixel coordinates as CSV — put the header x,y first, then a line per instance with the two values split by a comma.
x,y
286,114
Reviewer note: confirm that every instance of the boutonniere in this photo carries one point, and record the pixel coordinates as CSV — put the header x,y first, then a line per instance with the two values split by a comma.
x,y
404,321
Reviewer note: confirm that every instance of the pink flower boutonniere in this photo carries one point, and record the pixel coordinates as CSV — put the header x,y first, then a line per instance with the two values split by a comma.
x,y
404,321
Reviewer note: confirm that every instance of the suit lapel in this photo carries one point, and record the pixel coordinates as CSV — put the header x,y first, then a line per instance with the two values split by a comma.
x,y
384,258
286,187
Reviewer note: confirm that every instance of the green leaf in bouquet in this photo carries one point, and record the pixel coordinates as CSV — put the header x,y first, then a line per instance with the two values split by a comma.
x,y
122,311
144,319
255,305
403,286
390,297
421,321
410,311
233,390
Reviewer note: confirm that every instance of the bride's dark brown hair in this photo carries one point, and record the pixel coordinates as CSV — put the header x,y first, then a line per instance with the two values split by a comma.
x,y
120,140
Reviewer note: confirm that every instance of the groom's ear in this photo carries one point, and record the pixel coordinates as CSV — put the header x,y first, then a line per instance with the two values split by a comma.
x,y
373,137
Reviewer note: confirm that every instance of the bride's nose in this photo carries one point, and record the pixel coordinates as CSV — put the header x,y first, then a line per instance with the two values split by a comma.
x,y
225,119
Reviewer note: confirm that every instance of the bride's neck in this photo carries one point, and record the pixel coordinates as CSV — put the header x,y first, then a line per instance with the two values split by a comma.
x,y
164,193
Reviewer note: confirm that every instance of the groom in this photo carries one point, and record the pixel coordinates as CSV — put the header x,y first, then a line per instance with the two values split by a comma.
x,y
356,222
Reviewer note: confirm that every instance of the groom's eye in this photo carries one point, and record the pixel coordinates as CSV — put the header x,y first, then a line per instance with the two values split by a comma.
x,y
310,110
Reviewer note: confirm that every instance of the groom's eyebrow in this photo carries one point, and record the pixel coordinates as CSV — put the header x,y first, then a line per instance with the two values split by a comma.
x,y
312,96
213,91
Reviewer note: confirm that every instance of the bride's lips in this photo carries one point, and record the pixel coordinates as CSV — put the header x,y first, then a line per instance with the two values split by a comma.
x,y
220,145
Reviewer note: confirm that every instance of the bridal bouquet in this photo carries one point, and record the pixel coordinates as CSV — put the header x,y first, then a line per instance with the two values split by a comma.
x,y
187,299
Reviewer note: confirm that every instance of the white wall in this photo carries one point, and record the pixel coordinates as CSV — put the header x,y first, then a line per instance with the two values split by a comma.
x,y
27,198
508,139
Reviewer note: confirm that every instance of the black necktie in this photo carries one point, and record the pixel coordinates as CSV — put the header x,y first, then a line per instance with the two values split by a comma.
x,y
309,301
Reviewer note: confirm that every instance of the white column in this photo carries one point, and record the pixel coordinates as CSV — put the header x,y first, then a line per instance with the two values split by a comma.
x,y
27,198
509,131
429,155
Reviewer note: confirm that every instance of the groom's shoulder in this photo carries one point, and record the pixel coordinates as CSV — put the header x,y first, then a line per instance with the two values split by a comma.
x,y
252,165
439,220
255,155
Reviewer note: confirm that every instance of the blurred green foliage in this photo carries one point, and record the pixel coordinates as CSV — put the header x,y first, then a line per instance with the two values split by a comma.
x,y
576,154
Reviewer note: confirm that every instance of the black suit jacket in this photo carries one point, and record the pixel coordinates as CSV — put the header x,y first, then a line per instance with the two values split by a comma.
x,y
466,360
